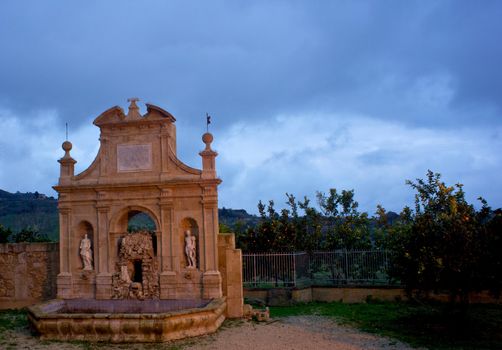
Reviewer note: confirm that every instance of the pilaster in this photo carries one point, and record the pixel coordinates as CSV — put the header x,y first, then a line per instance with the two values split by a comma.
x,y
64,238
168,276
209,205
167,240
103,277
64,278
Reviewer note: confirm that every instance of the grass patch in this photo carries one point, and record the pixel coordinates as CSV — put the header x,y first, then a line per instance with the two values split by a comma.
x,y
433,326
11,319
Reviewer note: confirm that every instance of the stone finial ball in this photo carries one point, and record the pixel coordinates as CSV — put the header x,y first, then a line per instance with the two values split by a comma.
x,y
207,138
67,146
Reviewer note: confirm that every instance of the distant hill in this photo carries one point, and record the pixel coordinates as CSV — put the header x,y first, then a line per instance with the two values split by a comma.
x,y
36,210
232,217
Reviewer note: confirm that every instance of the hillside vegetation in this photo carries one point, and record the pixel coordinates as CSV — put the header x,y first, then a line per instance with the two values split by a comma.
x,y
38,212
34,211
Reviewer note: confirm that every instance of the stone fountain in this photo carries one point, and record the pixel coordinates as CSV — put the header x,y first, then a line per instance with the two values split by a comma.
x,y
181,278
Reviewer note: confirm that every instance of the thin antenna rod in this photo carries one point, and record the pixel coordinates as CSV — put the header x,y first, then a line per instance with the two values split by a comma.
x,y
66,131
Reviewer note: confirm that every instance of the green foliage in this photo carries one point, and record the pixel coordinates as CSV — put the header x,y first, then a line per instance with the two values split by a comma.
x,y
5,234
225,228
284,231
11,319
30,234
302,227
441,245
347,228
275,232
491,246
21,210
141,222
308,226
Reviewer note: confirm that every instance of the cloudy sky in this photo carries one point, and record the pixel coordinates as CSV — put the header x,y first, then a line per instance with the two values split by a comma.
x,y
305,95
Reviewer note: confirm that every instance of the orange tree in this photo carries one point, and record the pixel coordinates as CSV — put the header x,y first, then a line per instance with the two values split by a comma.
x,y
491,246
442,247
345,226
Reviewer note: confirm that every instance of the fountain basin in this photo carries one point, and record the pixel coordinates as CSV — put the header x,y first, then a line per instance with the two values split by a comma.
x,y
120,321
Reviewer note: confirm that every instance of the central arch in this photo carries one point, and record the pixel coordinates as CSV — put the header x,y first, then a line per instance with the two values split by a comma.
x,y
119,225
120,221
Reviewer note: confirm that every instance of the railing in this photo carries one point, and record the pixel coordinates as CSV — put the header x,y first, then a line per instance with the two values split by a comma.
x,y
341,267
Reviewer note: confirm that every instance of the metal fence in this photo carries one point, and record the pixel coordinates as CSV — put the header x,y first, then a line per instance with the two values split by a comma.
x,y
341,267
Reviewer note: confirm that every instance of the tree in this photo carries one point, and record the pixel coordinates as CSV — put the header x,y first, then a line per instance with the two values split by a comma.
x,y
439,247
491,246
30,234
224,228
275,232
5,234
347,228
308,226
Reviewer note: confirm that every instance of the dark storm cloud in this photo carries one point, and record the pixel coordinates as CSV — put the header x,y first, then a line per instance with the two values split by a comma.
x,y
412,65
244,60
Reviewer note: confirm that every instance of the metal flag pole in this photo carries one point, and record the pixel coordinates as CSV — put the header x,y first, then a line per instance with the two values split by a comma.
x,y
208,121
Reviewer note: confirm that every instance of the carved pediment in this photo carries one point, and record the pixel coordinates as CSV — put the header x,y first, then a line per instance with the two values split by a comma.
x,y
110,116
155,112
139,149
116,115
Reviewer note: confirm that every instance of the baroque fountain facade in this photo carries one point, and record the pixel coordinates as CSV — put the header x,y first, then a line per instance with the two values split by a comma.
x,y
180,278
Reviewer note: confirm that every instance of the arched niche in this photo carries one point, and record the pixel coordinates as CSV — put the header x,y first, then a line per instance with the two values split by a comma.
x,y
135,219
84,227
191,225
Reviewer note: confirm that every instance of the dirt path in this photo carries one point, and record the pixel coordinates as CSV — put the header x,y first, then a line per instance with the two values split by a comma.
x,y
300,332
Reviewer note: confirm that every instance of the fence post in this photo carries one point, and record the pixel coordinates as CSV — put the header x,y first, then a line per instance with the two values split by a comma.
x,y
254,269
346,267
294,269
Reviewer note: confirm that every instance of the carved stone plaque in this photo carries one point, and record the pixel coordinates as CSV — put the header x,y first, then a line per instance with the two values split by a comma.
x,y
134,157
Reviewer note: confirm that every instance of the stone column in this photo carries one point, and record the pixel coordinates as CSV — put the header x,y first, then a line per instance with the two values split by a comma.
x,y
104,276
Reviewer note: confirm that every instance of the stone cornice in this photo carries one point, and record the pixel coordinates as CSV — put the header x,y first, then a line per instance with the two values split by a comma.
x,y
134,186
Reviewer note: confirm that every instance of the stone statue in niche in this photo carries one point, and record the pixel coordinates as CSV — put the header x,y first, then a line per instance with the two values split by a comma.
x,y
86,253
190,252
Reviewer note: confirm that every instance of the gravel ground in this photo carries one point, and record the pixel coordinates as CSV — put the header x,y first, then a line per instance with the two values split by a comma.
x,y
299,332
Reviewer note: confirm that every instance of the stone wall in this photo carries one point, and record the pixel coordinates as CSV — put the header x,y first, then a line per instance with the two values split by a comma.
x,y
230,267
288,296
27,273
